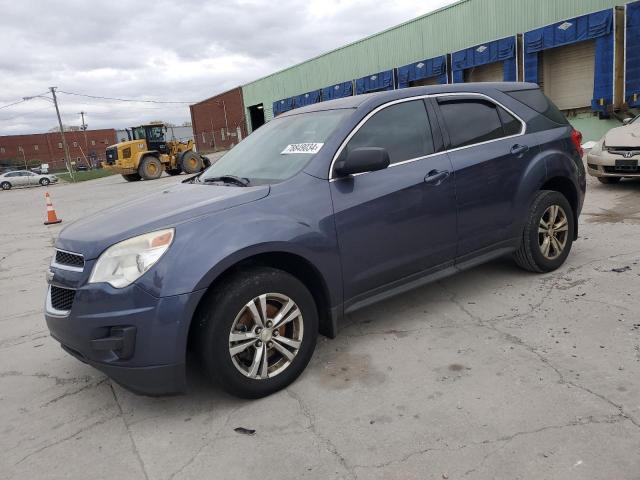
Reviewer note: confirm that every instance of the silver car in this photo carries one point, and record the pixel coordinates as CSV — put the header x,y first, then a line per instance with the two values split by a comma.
x,y
617,154
24,178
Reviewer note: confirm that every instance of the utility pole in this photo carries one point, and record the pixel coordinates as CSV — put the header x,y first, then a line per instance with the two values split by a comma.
x,y
83,127
67,158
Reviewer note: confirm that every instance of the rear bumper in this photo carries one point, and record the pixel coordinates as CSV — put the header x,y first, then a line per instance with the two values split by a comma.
x,y
135,338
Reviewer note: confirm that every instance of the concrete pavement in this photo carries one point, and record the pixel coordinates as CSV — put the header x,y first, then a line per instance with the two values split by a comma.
x,y
494,373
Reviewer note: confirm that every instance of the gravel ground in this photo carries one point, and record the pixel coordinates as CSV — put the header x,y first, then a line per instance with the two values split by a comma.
x,y
494,373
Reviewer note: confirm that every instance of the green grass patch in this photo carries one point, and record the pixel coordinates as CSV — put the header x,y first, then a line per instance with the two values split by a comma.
x,y
84,176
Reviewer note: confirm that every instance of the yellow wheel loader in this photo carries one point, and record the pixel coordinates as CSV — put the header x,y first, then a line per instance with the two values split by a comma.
x,y
147,154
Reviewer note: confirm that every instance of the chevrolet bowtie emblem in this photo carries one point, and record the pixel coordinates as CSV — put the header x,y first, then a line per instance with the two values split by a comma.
x,y
628,154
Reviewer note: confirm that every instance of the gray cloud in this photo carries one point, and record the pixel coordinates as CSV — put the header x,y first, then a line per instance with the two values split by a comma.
x,y
164,50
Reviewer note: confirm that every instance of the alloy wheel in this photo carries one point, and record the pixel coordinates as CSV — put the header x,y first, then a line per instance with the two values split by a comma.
x,y
553,231
266,336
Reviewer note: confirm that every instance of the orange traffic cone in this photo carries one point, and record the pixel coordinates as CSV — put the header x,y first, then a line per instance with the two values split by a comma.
x,y
51,213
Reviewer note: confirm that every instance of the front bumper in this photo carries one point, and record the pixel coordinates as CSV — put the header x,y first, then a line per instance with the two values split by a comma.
x,y
135,338
606,164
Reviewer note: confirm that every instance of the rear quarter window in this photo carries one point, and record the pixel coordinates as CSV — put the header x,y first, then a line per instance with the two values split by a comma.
x,y
538,101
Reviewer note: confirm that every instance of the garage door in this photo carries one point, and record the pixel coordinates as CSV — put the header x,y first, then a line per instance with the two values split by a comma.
x,y
491,72
567,74
425,82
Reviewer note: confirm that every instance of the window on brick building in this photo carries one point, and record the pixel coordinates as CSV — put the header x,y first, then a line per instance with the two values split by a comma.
x,y
1,149
93,142
59,144
19,148
75,144
35,147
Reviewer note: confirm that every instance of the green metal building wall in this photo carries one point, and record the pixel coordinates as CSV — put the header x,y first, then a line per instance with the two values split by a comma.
x,y
460,25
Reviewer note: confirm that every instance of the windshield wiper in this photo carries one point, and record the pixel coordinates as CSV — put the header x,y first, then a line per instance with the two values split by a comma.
x,y
242,181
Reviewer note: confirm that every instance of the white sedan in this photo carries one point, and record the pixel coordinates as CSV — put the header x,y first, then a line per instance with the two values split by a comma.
x,y
24,178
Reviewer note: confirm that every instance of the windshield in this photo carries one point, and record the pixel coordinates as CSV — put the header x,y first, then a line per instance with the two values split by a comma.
x,y
138,133
279,149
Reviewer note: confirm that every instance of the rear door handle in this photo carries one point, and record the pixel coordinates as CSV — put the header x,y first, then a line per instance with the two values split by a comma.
x,y
519,149
436,177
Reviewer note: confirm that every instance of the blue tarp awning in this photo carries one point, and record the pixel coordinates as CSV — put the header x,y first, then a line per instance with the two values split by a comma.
x,y
595,26
375,83
503,50
433,67
282,106
339,90
632,56
307,99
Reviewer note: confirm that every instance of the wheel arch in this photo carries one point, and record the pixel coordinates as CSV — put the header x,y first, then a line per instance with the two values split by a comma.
x,y
292,263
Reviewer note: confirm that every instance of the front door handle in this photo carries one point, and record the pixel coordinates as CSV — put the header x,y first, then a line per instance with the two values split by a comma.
x,y
436,177
519,149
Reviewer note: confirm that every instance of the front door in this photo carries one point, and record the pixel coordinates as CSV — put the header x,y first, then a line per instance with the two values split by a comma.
x,y
490,154
397,223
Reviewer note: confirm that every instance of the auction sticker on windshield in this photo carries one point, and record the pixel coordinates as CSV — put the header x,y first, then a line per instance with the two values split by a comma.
x,y
302,148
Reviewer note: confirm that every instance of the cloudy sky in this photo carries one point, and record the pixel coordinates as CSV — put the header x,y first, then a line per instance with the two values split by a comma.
x,y
176,51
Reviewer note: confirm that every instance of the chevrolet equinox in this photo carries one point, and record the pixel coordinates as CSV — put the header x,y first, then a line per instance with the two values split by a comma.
x,y
320,212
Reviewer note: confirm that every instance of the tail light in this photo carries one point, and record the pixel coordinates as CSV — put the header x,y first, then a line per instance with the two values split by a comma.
x,y
576,139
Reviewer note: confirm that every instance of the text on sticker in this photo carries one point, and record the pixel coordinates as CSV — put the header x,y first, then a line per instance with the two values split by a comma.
x,y
302,148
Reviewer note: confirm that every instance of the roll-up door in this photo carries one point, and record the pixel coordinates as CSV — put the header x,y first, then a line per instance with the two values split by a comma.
x,y
568,73
425,82
491,72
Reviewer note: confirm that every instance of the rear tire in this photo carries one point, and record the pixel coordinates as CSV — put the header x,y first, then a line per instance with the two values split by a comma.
x,y
190,162
150,168
132,177
5,186
547,237
229,310
609,180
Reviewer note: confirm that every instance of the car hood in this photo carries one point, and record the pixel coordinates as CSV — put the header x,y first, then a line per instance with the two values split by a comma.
x,y
91,235
626,136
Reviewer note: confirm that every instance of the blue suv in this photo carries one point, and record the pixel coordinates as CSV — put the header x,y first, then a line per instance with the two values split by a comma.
x,y
318,213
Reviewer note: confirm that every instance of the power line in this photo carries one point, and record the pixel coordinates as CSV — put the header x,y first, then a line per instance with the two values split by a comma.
x,y
12,104
24,99
119,99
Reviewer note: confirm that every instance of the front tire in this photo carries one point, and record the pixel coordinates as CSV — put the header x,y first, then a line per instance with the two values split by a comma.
x,y
150,168
5,186
257,332
44,182
609,180
132,177
548,234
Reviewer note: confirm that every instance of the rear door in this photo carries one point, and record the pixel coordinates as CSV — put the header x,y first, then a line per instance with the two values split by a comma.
x,y
398,222
490,153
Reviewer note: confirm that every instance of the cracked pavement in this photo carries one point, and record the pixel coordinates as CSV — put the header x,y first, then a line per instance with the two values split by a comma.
x,y
493,373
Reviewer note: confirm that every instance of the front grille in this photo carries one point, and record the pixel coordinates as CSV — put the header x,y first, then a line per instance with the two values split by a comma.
x,y
112,155
69,259
62,298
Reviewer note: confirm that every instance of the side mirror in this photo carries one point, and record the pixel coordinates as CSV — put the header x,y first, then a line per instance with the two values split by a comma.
x,y
361,160
627,121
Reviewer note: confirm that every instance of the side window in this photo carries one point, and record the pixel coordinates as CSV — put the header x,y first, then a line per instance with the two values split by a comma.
x,y
402,129
471,121
511,124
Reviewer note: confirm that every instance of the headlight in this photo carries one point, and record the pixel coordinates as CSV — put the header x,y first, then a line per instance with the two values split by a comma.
x,y
123,263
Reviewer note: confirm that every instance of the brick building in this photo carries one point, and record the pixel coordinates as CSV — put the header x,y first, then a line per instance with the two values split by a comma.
x,y
38,148
218,122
